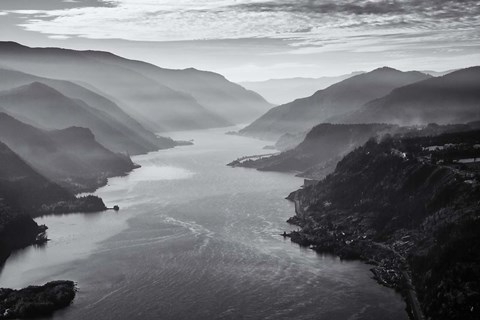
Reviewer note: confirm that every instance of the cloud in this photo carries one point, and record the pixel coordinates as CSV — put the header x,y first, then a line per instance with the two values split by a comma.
x,y
309,25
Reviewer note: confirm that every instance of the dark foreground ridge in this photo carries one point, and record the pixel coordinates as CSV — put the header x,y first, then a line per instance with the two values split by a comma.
x,y
410,207
35,301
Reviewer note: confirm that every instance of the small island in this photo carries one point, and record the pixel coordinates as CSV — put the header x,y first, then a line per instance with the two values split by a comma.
x,y
35,301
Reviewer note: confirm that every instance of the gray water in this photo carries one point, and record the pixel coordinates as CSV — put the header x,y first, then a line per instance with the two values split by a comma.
x,y
195,239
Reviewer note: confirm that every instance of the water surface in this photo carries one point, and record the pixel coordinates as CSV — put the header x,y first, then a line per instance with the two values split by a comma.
x,y
195,239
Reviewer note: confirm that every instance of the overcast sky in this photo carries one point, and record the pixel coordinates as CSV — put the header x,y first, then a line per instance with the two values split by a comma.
x,y
258,39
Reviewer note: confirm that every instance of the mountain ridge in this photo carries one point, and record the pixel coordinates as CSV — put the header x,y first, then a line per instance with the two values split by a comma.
x,y
452,98
153,103
347,95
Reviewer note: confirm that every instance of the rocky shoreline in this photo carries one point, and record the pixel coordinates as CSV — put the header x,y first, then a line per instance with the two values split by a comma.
x,y
389,268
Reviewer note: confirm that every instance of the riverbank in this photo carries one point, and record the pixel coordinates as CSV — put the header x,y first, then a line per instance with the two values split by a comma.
x,y
389,267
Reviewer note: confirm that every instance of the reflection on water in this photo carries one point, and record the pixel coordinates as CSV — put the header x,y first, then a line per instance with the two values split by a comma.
x,y
195,239
154,172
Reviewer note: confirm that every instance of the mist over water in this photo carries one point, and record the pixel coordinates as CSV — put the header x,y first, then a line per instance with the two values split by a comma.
x,y
195,239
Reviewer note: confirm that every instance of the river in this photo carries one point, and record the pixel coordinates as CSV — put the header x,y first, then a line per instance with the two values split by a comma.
x,y
195,239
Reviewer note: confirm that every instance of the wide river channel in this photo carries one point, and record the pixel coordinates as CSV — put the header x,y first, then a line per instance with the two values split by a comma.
x,y
195,239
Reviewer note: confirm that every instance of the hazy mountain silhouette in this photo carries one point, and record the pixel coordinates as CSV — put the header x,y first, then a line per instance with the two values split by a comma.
x,y
45,107
281,91
438,73
134,138
71,157
154,104
212,90
345,96
453,98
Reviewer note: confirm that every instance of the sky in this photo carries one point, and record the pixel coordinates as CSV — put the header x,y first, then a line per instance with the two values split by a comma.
x,y
258,39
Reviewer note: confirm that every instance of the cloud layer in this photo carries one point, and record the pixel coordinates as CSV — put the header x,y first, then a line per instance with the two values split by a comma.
x,y
319,22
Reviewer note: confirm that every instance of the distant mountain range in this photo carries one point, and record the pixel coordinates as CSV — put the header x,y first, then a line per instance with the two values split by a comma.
x,y
128,134
212,90
340,98
160,99
281,91
45,107
453,98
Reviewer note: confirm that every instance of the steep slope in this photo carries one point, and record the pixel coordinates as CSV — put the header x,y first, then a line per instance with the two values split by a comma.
x,y
321,149
71,157
136,138
303,114
152,103
281,91
45,107
409,207
227,99
453,98
24,188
